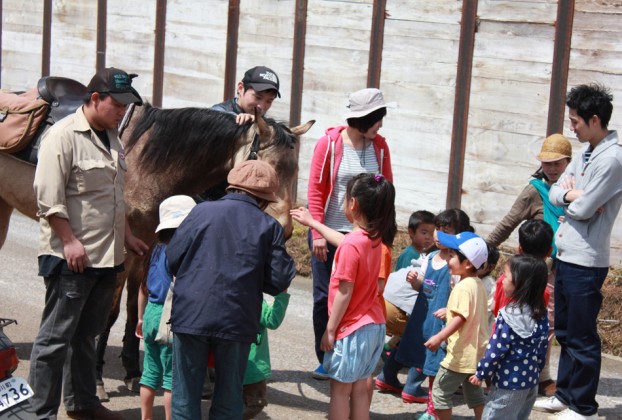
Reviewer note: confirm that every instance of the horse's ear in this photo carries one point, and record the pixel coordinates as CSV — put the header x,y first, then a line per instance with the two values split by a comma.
x,y
262,125
301,129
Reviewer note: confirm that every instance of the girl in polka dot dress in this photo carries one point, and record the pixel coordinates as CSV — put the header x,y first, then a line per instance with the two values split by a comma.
x,y
517,349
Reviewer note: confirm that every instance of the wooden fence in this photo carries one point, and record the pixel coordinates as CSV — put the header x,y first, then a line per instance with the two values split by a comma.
x,y
478,83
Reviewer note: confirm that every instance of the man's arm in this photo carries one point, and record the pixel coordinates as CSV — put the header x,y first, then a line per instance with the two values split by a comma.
x,y
74,251
606,181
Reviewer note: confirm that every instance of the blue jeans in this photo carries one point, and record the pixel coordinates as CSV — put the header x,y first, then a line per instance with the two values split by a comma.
x,y
321,279
190,354
63,354
577,302
510,403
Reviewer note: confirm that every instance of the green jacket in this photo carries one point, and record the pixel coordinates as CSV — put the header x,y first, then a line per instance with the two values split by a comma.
x,y
258,366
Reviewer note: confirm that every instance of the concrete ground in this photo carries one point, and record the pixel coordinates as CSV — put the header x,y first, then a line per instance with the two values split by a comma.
x,y
292,392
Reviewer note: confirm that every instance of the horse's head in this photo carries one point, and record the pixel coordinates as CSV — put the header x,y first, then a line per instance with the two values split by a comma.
x,y
277,144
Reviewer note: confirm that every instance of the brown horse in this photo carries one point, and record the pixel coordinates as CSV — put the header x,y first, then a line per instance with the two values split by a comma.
x,y
169,152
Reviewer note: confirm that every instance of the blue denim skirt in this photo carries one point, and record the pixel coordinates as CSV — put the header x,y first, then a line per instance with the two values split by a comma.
x,y
355,356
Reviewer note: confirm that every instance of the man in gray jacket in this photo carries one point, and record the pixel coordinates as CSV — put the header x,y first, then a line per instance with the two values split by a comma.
x,y
591,192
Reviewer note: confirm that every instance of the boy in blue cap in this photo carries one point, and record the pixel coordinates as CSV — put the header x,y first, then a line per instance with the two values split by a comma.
x,y
466,330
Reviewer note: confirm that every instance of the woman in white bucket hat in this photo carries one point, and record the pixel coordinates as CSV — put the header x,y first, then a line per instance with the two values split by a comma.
x,y
343,152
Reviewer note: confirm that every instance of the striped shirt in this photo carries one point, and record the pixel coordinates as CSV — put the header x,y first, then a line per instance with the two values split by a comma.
x,y
353,162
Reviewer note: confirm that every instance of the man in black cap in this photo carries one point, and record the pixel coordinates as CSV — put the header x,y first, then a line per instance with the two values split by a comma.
x,y
83,232
258,88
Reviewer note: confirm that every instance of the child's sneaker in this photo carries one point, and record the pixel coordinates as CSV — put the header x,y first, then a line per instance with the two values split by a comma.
x,y
410,399
320,373
383,386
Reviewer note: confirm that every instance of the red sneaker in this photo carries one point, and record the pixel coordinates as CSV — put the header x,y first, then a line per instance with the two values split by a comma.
x,y
410,399
383,386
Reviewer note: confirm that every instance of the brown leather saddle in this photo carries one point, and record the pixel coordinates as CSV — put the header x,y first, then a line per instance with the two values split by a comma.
x,y
65,96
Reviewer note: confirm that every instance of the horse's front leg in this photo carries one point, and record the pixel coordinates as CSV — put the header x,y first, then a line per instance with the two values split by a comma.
x,y
130,354
5,217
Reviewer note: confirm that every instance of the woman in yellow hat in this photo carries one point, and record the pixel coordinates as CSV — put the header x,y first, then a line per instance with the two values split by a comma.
x,y
533,203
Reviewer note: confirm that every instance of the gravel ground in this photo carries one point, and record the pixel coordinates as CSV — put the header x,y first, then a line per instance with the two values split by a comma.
x,y
292,392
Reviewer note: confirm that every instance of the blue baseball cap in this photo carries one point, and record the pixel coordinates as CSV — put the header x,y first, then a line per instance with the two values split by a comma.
x,y
469,244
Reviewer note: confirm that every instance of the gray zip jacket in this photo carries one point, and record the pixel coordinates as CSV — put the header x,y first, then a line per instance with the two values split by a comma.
x,y
585,235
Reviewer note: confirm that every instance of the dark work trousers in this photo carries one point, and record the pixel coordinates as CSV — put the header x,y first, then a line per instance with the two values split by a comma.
x,y
321,279
63,354
577,302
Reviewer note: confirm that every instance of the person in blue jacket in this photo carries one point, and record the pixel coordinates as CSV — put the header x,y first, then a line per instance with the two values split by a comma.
x,y
224,255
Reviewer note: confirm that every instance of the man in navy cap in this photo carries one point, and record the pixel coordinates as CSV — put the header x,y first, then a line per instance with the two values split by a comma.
x,y
258,89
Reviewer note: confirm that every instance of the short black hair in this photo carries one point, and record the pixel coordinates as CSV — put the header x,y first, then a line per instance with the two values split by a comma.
x,y
366,122
456,219
535,237
590,100
418,218
493,255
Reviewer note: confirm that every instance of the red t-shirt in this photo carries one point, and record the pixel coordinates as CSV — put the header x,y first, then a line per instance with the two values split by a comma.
x,y
357,260
501,299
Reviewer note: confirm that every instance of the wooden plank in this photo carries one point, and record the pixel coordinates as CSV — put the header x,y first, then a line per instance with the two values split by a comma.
x,y
440,11
601,22
603,7
513,97
407,30
517,11
512,70
597,40
514,48
596,60
194,57
130,41
499,120
73,52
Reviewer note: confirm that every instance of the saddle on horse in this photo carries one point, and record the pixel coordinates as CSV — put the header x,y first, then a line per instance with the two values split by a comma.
x,y
24,117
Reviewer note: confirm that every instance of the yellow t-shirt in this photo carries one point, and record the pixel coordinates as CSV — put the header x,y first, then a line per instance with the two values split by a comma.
x,y
466,346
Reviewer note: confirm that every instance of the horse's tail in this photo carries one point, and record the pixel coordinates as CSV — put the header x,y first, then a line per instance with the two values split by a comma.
x,y
146,119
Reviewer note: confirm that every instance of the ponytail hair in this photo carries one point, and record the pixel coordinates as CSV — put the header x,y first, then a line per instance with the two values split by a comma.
x,y
376,202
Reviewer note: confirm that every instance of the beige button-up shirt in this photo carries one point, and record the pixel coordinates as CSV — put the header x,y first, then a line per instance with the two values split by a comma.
x,y
78,179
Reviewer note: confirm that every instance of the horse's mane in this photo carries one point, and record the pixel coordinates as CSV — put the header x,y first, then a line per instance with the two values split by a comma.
x,y
183,137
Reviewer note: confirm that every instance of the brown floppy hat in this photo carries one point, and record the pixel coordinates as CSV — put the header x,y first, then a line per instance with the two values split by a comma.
x,y
255,177
555,147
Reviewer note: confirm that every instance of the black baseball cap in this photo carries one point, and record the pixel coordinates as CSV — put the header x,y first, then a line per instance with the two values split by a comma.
x,y
261,78
117,83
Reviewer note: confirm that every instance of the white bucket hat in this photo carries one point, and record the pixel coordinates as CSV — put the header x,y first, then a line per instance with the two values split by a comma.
x,y
174,210
365,101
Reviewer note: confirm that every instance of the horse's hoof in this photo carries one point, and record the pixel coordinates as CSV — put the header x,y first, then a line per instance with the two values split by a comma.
x,y
133,384
102,394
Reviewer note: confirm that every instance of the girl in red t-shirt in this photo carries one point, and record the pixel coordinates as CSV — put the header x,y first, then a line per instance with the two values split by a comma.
x,y
354,336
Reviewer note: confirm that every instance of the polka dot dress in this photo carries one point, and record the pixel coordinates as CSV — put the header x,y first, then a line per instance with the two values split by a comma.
x,y
512,361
